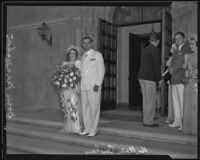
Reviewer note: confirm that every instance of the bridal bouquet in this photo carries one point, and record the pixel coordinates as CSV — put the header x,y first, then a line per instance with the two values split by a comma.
x,y
66,76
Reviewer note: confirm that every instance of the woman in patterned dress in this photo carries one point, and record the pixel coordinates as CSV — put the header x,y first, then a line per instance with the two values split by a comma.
x,y
70,97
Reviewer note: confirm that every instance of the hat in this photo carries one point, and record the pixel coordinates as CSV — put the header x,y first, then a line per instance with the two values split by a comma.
x,y
71,46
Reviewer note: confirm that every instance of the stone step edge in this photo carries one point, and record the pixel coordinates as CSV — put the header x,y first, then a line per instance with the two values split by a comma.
x,y
24,150
62,138
121,113
16,151
30,150
114,131
84,142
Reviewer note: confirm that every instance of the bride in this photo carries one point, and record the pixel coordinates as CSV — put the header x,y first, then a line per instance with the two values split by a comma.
x,y
70,97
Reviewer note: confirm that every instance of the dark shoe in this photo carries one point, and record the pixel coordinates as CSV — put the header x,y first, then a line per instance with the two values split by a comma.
x,y
151,125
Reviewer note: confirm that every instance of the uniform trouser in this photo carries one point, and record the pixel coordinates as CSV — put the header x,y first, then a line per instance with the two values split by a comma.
x,y
177,96
91,109
149,100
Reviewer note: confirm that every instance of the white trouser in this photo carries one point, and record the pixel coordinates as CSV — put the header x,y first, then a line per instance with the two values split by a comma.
x,y
177,97
91,109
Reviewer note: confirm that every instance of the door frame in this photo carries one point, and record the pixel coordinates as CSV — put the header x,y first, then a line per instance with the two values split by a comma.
x,y
107,44
162,31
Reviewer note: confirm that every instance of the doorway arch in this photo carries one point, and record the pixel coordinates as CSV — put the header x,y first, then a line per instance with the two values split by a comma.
x,y
131,15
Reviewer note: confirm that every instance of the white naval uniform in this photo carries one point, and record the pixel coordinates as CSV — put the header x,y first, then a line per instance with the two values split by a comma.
x,y
92,72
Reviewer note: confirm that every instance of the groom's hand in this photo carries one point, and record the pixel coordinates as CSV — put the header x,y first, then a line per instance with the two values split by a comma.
x,y
96,88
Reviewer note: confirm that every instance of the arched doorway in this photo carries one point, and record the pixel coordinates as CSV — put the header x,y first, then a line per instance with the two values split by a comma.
x,y
127,16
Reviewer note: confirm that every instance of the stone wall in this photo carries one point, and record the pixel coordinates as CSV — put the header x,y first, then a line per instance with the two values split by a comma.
x,y
34,60
184,17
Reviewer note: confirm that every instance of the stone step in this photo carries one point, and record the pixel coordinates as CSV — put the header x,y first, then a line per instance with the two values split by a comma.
x,y
52,135
36,145
52,150
13,150
110,130
119,144
134,116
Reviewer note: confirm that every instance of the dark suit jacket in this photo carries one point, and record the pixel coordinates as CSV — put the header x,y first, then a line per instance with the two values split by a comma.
x,y
150,64
178,73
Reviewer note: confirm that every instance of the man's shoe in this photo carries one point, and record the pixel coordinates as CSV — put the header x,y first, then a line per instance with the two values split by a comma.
x,y
173,125
91,134
169,121
83,133
180,129
151,125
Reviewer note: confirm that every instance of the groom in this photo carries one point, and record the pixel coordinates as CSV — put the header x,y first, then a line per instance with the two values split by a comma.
x,y
92,74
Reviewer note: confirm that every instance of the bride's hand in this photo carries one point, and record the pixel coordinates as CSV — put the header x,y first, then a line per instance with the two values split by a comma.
x,y
64,63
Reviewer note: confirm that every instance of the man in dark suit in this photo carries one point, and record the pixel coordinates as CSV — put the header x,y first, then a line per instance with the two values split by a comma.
x,y
149,77
177,76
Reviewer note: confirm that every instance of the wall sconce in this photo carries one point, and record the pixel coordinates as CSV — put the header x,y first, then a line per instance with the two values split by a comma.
x,y
44,32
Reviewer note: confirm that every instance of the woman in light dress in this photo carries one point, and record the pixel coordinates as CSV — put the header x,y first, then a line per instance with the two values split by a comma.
x,y
190,91
70,97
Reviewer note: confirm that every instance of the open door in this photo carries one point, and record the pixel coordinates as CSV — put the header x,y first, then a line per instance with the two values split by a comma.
x,y
166,45
108,48
136,45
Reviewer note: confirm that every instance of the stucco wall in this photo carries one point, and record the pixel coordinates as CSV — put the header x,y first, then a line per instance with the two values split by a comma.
x,y
34,60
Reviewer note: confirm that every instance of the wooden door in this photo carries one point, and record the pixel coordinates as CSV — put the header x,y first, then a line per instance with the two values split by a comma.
x,y
108,48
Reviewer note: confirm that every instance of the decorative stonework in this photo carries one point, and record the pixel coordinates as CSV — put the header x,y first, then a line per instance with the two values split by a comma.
x,y
9,83
184,16
136,14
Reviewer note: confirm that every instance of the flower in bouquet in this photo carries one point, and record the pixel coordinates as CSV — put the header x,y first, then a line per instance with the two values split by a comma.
x,y
66,76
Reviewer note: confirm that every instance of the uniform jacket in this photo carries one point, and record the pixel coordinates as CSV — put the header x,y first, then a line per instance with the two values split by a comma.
x,y
92,69
150,64
178,72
